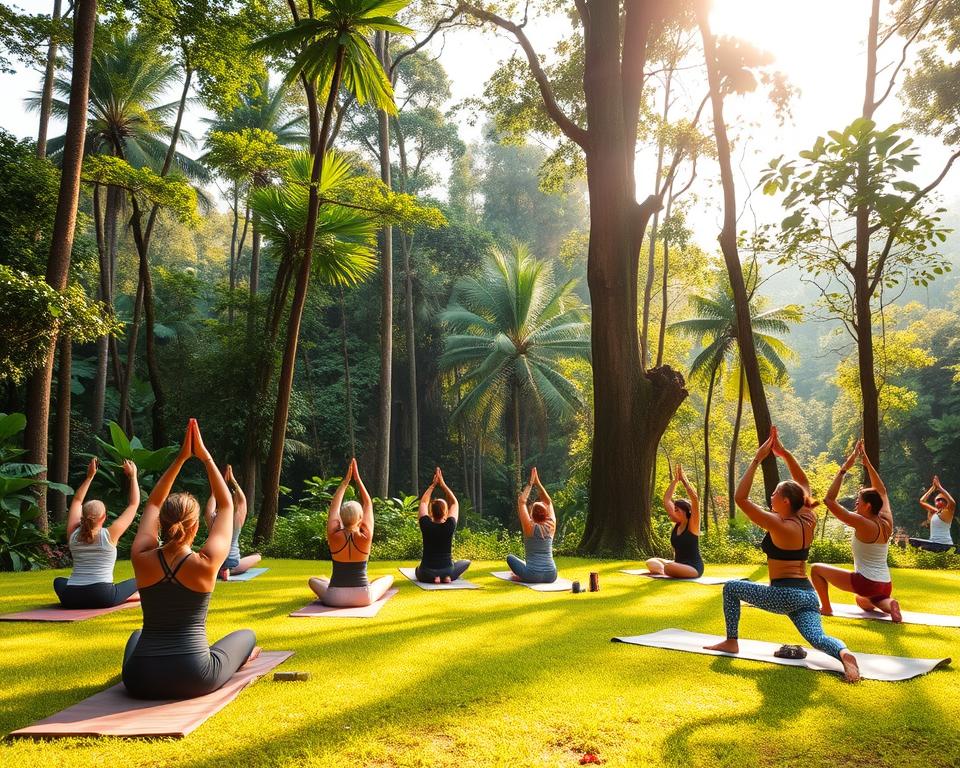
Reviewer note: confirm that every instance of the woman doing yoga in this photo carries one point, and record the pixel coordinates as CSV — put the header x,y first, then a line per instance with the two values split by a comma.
x,y
790,525
169,658
350,534
94,548
939,518
539,523
685,536
438,522
872,525
234,563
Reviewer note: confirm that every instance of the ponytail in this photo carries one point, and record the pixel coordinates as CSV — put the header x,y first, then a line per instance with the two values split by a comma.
x,y
90,517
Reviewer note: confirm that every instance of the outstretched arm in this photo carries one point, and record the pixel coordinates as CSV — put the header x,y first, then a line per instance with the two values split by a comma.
x,y
239,499
424,508
148,532
950,507
526,523
365,501
796,471
210,511
120,525
333,513
694,524
668,504
741,496
76,504
217,545
543,495
453,506
841,512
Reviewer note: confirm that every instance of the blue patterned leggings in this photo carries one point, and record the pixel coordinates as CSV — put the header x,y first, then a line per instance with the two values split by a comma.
x,y
800,605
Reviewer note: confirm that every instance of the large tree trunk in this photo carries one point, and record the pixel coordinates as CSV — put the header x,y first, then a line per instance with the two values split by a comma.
x,y
707,492
731,255
107,252
46,92
734,444
411,342
662,331
60,466
61,244
348,391
382,485
124,414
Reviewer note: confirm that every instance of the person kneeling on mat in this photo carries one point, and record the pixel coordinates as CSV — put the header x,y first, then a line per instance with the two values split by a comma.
x,y
685,536
872,525
939,518
234,563
438,522
790,525
539,523
94,548
169,658
350,534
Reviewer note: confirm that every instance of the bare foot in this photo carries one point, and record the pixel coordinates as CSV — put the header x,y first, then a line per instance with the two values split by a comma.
x,y
730,645
446,579
895,614
826,611
436,579
851,670
257,650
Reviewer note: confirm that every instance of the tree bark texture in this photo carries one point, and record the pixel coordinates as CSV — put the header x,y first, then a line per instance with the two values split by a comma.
x,y
60,466
46,92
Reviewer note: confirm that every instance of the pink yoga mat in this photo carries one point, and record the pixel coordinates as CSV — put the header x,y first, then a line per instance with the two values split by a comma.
x,y
113,713
56,613
318,609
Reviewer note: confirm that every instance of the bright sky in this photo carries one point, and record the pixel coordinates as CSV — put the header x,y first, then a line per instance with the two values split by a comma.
x,y
817,43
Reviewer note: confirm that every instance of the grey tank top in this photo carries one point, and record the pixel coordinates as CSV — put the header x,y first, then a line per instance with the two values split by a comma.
x,y
940,530
349,574
539,550
234,553
174,616
92,563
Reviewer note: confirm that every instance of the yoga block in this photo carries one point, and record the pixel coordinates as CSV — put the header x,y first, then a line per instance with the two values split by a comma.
x,y
286,677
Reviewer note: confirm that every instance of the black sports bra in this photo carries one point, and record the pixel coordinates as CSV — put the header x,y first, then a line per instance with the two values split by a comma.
x,y
774,552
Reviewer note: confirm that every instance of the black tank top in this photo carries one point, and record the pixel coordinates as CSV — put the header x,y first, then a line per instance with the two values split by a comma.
x,y
437,542
686,545
174,616
349,574
774,552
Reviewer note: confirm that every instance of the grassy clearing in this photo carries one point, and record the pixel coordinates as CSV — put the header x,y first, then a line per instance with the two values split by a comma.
x,y
502,676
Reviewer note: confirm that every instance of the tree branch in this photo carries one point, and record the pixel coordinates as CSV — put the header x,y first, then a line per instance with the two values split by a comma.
x,y
903,56
440,24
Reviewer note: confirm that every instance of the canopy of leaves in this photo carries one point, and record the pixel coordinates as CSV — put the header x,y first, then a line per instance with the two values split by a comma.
x,y
173,193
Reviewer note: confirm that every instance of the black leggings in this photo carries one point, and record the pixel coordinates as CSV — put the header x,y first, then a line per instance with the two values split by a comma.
x,y
930,546
100,595
187,675
455,571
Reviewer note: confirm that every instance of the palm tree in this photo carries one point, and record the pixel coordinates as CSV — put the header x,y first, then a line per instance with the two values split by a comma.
x,y
715,326
511,328
331,48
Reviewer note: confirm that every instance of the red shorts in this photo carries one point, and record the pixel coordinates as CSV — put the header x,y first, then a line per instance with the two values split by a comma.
x,y
872,590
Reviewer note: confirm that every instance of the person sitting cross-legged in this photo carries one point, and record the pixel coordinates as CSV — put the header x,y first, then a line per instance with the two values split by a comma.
x,y
685,536
438,522
939,519
234,564
539,524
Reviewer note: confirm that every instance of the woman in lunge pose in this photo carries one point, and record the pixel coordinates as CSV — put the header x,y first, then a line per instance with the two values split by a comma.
x,y
790,525
872,525
169,658
350,534
685,536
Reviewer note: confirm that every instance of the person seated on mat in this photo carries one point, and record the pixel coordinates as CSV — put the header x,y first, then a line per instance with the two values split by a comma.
x,y
539,524
685,536
939,518
350,534
94,548
790,526
234,563
170,658
438,522
872,525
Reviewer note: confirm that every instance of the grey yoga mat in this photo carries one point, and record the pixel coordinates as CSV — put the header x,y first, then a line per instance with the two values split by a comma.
x,y
560,585
842,611
872,667
710,580
411,574
251,573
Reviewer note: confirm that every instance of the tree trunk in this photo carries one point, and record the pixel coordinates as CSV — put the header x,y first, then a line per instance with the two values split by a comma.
x,y
107,252
517,457
254,280
731,256
60,466
61,243
46,92
662,334
124,414
732,462
382,485
348,392
411,342
234,255
707,495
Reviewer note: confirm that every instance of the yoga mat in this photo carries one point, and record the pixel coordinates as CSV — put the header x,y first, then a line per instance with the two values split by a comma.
x,y
872,667
909,617
560,585
251,573
113,713
318,609
56,613
710,580
461,583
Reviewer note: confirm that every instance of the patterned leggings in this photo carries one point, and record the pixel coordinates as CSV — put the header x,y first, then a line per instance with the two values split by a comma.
x,y
800,605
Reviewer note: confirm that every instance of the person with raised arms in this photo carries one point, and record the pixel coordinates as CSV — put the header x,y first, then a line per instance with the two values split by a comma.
x,y
939,518
170,658
871,523
234,564
539,524
438,522
790,524
94,547
685,535
350,534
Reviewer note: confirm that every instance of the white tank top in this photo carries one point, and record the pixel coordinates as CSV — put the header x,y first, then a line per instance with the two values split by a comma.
x,y
940,530
870,560
92,563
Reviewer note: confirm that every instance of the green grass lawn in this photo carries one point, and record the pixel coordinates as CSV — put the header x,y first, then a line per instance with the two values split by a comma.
x,y
502,676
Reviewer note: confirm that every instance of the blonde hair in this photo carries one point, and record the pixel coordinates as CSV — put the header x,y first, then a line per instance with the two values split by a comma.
x,y
350,513
92,512
179,519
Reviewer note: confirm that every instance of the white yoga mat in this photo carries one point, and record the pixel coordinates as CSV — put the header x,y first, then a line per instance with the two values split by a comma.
x,y
909,617
560,585
250,573
710,580
411,573
872,667
316,609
